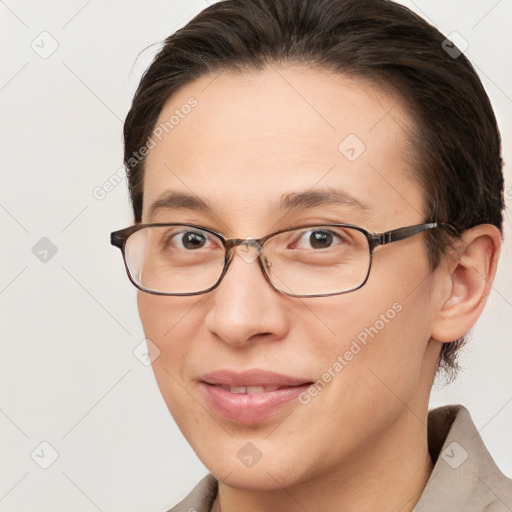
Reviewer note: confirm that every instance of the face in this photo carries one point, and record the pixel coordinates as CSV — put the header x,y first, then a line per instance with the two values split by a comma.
x,y
238,365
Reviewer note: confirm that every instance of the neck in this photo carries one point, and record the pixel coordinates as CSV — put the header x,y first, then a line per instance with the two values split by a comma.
x,y
389,475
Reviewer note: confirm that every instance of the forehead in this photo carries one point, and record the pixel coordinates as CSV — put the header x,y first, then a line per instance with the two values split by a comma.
x,y
253,137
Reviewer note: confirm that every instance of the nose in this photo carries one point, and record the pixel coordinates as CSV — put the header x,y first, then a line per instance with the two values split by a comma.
x,y
245,307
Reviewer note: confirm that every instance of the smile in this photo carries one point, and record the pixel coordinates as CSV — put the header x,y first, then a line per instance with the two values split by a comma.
x,y
252,396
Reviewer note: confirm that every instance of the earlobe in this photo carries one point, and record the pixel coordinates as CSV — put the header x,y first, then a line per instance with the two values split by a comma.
x,y
468,273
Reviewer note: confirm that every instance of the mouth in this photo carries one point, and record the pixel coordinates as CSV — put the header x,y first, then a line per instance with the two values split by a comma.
x,y
252,396
249,390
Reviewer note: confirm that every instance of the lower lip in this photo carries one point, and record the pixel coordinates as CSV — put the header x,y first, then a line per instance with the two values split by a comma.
x,y
249,408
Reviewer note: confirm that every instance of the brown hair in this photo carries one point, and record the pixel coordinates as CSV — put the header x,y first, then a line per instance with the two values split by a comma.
x,y
456,139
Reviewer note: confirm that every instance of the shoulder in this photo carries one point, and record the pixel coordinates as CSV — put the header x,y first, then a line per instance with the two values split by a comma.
x,y
465,476
201,498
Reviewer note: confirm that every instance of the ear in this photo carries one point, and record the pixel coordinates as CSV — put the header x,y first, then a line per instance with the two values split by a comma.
x,y
467,274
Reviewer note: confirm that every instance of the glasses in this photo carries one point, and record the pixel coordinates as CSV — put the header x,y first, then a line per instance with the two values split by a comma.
x,y
304,261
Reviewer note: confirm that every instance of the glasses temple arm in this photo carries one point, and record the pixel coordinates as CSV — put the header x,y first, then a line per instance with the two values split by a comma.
x,y
403,233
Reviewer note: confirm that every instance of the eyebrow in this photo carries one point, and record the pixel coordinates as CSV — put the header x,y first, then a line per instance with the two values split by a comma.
x,y
175,200
319,197
170,200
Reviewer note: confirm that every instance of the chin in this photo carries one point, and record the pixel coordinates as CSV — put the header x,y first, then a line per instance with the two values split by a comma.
x,y
250,462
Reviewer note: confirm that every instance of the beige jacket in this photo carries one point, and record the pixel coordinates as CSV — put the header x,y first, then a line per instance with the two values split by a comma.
x,y
465,477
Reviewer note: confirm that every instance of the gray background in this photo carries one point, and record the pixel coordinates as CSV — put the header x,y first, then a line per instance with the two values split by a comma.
x,y
69,323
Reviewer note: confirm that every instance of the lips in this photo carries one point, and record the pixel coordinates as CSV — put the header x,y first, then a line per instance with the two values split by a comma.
x,y
252,396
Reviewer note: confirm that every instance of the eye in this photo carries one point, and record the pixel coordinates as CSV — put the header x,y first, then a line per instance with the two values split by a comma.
x,y
192,240
317,239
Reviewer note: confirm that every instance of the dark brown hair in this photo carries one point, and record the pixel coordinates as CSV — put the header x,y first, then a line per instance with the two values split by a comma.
x,y
456,139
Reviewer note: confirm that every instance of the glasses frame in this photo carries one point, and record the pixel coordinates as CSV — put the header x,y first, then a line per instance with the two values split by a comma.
x,y
119,238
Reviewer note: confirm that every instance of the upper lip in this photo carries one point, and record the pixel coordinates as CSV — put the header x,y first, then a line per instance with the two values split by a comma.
x,y
253,377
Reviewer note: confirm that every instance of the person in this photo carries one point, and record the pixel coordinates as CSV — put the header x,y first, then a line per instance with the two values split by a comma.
x,y
317,190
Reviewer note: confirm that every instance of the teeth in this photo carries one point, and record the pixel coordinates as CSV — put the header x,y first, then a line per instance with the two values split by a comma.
x,y
238,389
252,390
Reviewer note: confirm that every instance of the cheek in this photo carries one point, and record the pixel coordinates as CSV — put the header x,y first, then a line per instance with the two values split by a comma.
x,y
170,324
371,366
173,324
373,337
378,335
166,320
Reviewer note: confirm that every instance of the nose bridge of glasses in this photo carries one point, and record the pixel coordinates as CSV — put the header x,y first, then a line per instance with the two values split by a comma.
x,y
249,249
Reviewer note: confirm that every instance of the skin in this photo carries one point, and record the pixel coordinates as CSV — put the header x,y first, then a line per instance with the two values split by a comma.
x,y
253,138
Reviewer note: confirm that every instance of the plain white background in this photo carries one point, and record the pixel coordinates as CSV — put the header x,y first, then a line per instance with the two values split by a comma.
x,y
69,323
